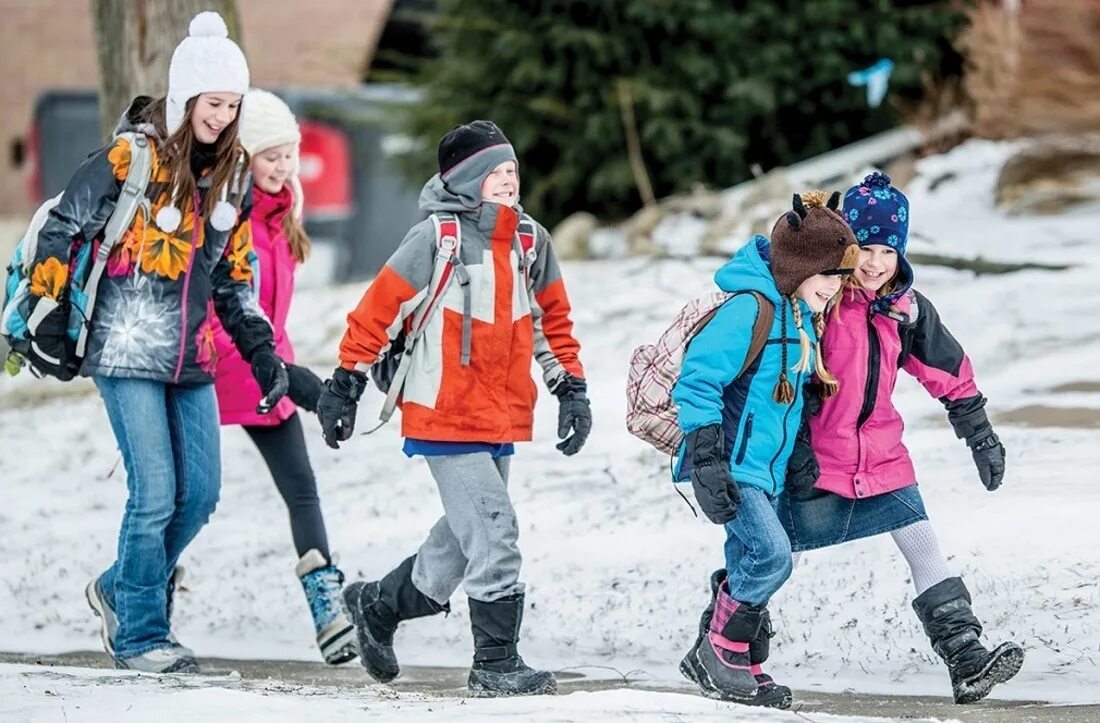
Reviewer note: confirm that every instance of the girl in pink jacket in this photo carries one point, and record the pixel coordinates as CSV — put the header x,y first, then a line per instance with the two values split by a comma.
x,y
851,475
271,136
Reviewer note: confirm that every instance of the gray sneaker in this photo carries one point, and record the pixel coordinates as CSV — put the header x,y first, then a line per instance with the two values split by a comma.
x,y
173,659
108,621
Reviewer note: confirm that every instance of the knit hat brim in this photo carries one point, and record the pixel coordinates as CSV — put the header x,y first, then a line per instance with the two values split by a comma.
x,y
464,179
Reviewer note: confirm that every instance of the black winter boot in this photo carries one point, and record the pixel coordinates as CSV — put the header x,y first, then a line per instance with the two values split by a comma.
x,y
722,658
498,669
769,694
944,610
375,609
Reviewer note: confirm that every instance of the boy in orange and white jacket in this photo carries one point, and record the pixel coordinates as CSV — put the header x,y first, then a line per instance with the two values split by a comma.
x,y
467,398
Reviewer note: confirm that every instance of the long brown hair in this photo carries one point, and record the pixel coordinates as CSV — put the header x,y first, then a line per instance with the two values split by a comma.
x,y
175,155
297,237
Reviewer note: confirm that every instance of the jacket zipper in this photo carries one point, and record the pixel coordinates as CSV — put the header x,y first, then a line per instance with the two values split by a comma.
x,y
786,416
744,441
870,391
186,286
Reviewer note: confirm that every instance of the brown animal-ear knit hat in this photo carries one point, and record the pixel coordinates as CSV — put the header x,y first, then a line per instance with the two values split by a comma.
x,y
811,239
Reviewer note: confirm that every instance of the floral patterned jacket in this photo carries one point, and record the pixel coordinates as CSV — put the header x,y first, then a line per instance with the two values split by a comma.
x,y
150,319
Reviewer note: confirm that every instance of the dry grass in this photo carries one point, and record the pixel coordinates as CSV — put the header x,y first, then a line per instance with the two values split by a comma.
x,y
1034,71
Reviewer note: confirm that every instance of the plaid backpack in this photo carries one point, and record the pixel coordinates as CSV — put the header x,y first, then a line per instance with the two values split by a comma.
x,y
655,368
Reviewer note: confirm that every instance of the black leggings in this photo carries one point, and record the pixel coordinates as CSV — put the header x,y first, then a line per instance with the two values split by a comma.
x,y
284,450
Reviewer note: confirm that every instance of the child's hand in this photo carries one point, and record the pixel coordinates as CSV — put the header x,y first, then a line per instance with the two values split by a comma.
x,y
989,456
338,404
711,480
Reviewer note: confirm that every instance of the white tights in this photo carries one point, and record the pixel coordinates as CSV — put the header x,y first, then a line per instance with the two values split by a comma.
x,y
918,544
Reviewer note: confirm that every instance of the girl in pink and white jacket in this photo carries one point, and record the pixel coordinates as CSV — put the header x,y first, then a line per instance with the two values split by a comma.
x,y
851,475
271,136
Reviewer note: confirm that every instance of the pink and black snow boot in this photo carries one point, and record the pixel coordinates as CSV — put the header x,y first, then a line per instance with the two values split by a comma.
x,y
769,693
720,663
944,610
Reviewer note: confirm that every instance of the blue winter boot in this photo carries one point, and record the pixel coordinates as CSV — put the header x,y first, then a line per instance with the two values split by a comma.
x,y
322,582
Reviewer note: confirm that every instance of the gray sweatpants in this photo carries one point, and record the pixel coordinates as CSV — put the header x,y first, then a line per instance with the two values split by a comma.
x,y
476,539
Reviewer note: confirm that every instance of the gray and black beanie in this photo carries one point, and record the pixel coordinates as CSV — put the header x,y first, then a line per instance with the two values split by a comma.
x,y
468,153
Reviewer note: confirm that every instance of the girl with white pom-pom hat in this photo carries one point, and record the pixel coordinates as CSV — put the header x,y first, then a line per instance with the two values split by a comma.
x,y
150,343
270,134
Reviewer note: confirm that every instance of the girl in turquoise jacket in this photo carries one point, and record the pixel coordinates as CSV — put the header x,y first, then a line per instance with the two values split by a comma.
x,y
740,427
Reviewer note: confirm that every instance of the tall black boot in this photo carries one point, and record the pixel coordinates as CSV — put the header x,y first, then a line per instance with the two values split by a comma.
x,y
498,669
689,666
376,608
944,610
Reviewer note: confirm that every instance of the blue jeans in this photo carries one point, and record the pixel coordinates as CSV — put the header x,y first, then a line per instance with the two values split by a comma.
x,y
170,443
758,553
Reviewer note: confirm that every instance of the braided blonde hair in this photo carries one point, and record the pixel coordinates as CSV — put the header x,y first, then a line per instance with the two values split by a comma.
x,y
784,392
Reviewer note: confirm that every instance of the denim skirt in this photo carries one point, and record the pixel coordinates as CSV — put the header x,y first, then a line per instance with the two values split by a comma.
x,y
830,519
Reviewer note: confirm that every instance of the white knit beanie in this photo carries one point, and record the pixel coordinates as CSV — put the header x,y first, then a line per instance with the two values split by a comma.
x,y
206,61
266,122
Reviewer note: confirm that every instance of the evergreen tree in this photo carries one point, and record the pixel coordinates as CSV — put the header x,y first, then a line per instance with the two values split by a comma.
x,y
714,86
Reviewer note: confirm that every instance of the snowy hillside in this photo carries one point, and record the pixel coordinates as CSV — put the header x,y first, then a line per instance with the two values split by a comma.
x,y
614,560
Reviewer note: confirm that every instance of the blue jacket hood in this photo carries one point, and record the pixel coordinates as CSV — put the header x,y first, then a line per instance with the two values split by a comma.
x,y
750,270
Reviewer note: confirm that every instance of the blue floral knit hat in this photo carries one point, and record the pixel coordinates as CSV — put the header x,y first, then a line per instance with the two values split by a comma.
x,y
879,214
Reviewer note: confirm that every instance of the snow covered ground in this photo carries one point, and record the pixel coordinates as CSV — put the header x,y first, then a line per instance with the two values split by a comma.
x,y
616,564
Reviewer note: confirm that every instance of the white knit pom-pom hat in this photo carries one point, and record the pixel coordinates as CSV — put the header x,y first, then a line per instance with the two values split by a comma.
x,y
206,61
266,122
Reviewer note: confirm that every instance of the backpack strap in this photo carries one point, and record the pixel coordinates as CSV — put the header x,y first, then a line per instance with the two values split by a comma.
x,y
130,200
524,244
448,266
760,329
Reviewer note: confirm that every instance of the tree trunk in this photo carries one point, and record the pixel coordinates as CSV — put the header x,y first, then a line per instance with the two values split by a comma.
x,y
135,40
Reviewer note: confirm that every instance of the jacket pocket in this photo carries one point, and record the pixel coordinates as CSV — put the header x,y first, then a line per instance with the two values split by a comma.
x,y
744,441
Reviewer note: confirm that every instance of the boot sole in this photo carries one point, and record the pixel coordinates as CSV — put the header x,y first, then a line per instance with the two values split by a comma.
x,y
339,647
775,696
365,639
93,602
1003,665
180,666
478,690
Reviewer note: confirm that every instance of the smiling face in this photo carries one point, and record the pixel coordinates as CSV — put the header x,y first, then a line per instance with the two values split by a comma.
x,y
878,264
211,114
818,290
502,184
272,166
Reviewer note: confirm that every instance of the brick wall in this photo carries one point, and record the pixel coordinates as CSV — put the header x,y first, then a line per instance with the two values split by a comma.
x,y
48,44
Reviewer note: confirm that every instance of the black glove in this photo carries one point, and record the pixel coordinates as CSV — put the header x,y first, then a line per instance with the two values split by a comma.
x,y
971,423
51,351
304,387
574,413
338,403
711,479
989,456
269,371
